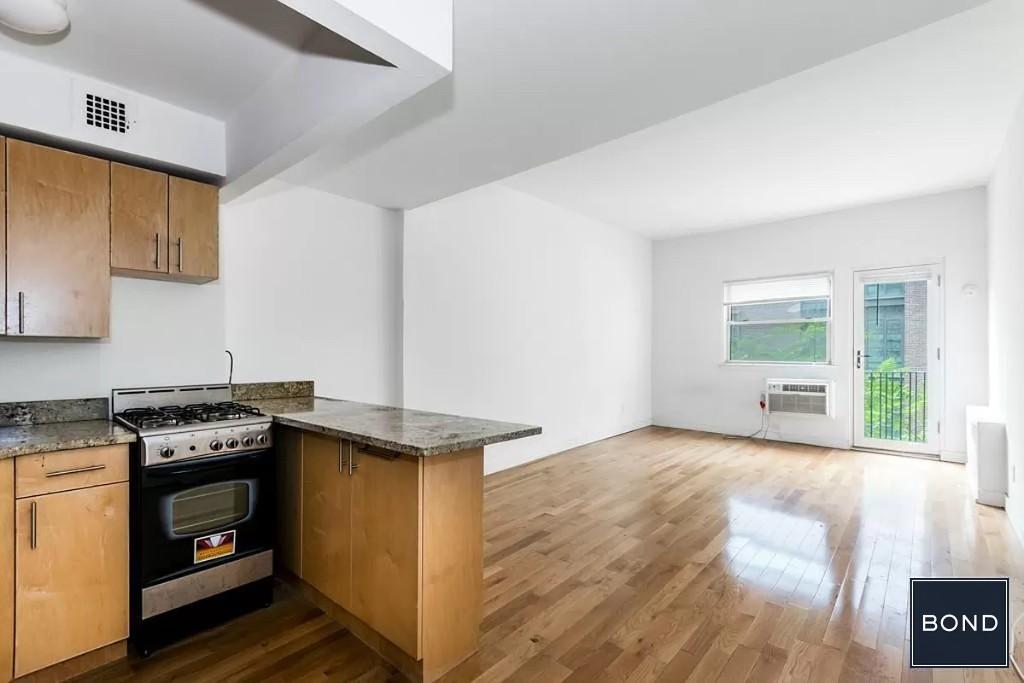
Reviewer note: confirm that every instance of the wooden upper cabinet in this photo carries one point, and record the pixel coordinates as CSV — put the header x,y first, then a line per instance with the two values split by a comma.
x,y
193,223
71,594
138,220
58,243
3,242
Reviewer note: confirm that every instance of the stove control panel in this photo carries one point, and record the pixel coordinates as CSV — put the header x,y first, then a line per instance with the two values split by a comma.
x,y
163,448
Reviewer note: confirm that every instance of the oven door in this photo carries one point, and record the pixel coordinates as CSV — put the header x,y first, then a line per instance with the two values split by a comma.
x,y
204,512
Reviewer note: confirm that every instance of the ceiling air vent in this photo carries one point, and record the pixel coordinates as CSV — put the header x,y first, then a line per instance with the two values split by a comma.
x,y
105,113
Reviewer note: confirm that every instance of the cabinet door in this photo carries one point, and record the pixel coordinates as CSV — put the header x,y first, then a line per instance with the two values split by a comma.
x,y
193,215
3,244
71,593
138,219
386,547
7,569
326,517
58,243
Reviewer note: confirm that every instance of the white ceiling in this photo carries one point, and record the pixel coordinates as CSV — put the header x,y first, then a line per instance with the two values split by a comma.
x,y
537,81
204,55
924,112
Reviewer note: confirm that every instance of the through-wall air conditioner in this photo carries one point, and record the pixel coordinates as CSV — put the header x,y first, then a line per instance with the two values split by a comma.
x,y
799,396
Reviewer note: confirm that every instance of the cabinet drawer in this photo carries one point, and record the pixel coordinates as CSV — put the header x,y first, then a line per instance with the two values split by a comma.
x,y
66,470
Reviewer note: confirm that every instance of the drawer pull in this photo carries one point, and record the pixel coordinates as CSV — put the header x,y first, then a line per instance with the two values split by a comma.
x,y
33,514
75,470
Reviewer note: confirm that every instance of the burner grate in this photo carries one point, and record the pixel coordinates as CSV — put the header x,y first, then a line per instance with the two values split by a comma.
x,y
174,416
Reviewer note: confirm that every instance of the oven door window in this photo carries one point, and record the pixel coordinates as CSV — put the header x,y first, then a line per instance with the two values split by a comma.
x,y
208,508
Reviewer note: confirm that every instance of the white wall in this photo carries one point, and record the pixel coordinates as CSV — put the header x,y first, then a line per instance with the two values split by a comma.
x,y
160,333
313,291
519,310
1006,302
49,100
694,389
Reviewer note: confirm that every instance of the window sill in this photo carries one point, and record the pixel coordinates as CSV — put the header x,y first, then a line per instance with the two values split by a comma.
x,y
772,364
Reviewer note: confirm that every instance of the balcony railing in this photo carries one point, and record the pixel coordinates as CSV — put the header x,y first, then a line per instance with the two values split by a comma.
x,y
896,405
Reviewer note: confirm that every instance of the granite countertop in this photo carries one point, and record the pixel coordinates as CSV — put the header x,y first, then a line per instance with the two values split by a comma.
x,y
59,436
413,432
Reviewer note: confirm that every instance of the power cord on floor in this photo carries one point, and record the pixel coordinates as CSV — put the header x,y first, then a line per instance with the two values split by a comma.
x,y
762,432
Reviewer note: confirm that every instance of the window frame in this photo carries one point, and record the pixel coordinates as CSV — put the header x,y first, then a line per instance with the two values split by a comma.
x,y
728,324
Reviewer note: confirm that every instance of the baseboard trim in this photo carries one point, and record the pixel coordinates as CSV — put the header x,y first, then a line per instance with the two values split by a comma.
x,y
953,456
773,435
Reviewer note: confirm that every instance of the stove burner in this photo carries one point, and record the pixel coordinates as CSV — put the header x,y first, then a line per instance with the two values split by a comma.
x,y
175,416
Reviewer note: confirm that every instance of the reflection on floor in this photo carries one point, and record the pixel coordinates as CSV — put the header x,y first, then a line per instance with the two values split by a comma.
x,y
667,555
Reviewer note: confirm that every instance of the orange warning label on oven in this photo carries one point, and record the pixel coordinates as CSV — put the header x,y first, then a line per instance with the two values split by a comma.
x,y
214,546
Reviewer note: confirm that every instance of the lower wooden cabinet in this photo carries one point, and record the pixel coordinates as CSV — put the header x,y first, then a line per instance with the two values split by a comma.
x,y
327,517
7,569
394,541
63,562
386,546
71,594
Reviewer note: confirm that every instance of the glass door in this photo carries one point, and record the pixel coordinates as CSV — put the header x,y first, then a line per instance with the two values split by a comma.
x,y
897,368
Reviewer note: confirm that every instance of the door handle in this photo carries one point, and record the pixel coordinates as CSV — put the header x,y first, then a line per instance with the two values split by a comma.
x,y
860,356
341,457
33,515
352,466
158,251
181,240
21,312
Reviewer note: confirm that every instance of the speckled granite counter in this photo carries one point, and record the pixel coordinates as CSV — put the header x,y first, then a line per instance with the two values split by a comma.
x,y
60,436
413,432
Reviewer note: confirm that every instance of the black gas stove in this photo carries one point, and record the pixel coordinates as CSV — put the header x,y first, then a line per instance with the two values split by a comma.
x,y
202,518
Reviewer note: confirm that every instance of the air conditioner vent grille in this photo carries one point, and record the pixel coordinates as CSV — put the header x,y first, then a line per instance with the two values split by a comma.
x,y
798,403
799,397
106,113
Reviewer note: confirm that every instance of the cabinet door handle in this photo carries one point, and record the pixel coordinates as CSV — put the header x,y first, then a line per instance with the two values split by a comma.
x,y
341,457
75,470
158,251
21,312
33,515
181,241
352,466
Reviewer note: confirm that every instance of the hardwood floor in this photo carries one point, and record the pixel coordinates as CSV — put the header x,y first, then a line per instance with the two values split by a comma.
x,y
666,555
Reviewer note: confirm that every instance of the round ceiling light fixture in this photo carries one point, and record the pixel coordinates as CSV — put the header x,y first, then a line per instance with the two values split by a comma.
x,y
38,17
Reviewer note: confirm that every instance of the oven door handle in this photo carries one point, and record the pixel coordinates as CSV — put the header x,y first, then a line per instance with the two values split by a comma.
x,y
203,465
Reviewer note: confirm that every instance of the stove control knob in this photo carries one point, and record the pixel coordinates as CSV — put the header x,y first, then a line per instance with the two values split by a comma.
x,y
261,439
232,443
247,441
216,445
166,452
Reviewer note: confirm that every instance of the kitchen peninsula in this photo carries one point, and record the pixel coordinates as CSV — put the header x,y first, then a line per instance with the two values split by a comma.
x,y
380,515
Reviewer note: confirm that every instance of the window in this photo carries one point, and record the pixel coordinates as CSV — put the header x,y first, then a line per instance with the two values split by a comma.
x,y
779,321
